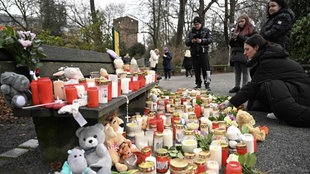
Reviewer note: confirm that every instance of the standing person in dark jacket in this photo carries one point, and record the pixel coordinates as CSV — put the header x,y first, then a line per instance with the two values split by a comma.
x,y
242,31
279,84
167,57
278,26
188,63
198,39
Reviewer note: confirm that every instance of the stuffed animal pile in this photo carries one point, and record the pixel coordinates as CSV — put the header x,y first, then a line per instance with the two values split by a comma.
x,y
114,127
15,88
91,140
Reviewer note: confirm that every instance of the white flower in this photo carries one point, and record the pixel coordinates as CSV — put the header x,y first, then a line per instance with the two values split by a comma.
x,y
232,157
25,43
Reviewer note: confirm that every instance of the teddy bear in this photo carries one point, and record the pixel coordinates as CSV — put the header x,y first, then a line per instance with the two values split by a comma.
x,y
244,118
15,88
119,65
114,141
91,140
234,136
71,74
76,163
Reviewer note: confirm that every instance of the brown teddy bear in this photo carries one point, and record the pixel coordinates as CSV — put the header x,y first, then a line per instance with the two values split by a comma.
x,y
243,118
115,141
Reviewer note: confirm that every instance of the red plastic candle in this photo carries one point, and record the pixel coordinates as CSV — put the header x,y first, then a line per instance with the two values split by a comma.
x,y
92,93
45,90
233,167
197,110
71,93
35,92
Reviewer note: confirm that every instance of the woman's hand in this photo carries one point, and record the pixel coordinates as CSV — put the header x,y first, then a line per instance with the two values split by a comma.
x,y
224,105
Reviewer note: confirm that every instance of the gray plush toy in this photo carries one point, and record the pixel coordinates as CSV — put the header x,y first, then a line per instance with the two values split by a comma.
x,y
91,140
76,163
14,88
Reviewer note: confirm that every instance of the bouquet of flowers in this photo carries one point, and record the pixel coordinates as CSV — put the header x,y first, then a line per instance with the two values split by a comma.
x,y
23,47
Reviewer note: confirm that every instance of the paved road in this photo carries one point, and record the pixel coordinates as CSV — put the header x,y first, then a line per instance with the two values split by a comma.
x,y
220,83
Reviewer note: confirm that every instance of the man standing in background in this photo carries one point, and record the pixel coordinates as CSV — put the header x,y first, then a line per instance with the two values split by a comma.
x,y
198,39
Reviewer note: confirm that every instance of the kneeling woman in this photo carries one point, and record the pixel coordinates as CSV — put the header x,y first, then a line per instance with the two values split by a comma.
x,y
279,84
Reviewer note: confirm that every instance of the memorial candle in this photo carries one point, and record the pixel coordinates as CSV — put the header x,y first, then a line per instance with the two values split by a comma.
x,y
93,101
35,92
216,153
59,92
45,89
168,137
249,141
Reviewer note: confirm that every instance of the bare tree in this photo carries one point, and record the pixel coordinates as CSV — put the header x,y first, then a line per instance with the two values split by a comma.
x,y
26,9
181,21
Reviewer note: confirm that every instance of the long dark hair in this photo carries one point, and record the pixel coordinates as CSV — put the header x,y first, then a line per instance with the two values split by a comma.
x,y
248,27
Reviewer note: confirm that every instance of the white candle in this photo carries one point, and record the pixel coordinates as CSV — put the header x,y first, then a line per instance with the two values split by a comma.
x,y
168,138
206,112
188,145
197,151
151,158
213,166
140,140
125,85
249,141
114,81
216,153
59,89
150,136
80,90
90,82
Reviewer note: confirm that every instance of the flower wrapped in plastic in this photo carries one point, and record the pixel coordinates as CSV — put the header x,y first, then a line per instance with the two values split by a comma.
x,y
23,47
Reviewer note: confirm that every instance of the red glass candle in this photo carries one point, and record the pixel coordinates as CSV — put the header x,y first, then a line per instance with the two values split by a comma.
x,y
145,152
35,92
197,110
92,93
119,87
153,121
225,151
233,167
173,119
215,124
109,91
160,124
201,165
241,148
162,160
71,93
131,87
45,90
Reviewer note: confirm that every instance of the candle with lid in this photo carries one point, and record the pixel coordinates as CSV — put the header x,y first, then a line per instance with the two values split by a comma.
x,y
59,87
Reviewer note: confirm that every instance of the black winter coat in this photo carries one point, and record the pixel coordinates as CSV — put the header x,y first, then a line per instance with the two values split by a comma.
x,y
278,27
167,61
285,84
187,63
199,48
237,47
